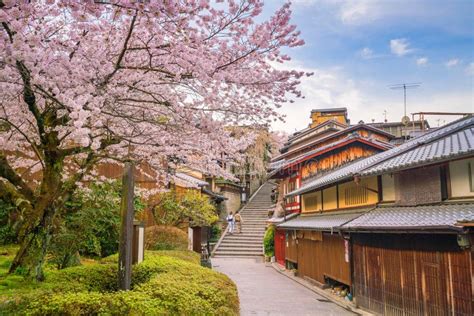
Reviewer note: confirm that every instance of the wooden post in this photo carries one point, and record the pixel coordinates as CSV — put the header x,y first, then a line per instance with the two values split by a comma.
x,y
126,229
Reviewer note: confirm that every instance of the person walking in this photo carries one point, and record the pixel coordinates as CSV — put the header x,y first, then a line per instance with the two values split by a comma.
x,y
238,221
231,221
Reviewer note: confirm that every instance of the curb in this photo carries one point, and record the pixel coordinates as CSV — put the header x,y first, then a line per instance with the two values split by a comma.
x,y
348,306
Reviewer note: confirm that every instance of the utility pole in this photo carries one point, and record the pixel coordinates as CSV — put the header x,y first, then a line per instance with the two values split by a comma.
x,y
126,229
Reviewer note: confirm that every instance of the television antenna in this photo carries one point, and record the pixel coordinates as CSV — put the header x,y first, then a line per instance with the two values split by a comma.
x,y
405,86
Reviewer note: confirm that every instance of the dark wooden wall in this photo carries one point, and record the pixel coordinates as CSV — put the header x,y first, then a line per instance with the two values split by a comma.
x,y
291,247
320,258
412,275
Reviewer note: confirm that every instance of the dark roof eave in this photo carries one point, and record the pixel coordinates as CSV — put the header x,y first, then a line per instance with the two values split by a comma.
x,y
404,229
418,165
330,229
341,145
338,133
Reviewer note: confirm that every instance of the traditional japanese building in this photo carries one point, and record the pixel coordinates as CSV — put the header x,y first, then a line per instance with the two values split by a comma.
x,y
396,228
328,143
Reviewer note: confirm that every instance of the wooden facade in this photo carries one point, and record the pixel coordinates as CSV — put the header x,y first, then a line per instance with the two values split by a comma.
x,y
362,131
412,274
336,158
342,196
321,259
291,247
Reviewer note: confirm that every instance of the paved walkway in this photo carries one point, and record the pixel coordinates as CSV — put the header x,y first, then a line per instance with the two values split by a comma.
x,y
264,291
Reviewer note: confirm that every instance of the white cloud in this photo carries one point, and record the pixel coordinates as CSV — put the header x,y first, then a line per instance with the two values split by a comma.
x,y
357,11
365,100
423,61
326,88
470,69
399,46
366,53
452,62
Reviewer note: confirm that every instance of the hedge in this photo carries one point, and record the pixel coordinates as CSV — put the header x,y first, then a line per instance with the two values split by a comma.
x,y
162,237
166,283
269,242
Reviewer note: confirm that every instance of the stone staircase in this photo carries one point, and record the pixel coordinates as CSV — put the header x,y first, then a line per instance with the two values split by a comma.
x,y
254,215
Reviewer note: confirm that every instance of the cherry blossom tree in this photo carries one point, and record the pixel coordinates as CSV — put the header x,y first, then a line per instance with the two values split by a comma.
x,y
87,82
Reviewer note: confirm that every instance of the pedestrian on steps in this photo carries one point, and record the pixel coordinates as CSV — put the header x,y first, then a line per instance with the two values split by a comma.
x,y
238,221
231,221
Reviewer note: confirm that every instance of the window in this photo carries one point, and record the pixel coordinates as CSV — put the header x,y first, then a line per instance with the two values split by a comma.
x,y
356,195
461,178
310,201
291,187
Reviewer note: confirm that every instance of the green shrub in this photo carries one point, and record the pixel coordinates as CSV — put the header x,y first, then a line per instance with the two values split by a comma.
x,y
189,207
188,255
89,225
161,285
161,237
216,232
269,242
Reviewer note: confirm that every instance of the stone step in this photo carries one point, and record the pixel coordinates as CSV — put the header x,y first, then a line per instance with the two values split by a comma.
x,y
250,213
243,238
254,212
254,218
245,243
252,250
238,253
241,245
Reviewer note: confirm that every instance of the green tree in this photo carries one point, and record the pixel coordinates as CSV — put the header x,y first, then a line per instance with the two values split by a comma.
x,y
193,207
90,224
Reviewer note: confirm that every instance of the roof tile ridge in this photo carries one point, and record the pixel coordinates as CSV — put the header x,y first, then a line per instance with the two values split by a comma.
x,y
418,143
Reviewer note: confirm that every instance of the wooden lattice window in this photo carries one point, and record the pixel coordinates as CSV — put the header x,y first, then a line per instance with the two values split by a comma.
x,y
356,195
311,201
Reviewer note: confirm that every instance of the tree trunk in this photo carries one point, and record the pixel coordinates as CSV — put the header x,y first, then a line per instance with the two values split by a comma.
x,y
34,246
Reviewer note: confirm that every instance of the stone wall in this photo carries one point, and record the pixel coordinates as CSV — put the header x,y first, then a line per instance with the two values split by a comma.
x,y
232,202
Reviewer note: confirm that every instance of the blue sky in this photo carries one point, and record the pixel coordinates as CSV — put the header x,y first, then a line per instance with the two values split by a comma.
x,y
359,48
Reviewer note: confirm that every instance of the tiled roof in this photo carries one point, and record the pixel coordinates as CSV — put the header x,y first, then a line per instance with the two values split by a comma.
x,y
185,180
347,130
453,145
213,194
412,217
276,220
276,164
283,164
321,221
359,166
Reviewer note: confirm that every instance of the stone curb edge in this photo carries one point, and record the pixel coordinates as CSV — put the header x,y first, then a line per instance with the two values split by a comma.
x,y
319,291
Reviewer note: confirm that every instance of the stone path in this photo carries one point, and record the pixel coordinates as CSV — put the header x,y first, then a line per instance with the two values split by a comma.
x,y
264,291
